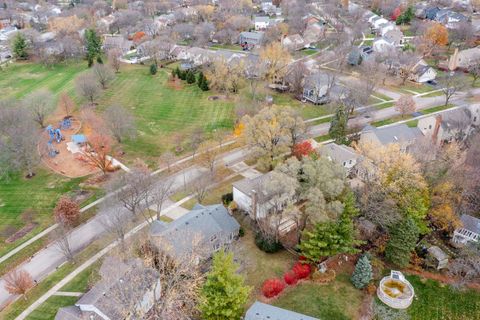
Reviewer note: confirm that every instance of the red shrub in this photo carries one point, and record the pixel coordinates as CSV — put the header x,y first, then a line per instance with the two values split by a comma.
x,y
290,278
301,270
272,287
303,149
396,13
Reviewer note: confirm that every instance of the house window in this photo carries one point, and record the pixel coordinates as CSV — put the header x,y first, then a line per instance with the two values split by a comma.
x,y
344,163
475,119
430,127
350,162
213,238
216,247
230,237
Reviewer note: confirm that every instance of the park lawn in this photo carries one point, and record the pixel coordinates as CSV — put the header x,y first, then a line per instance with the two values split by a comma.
x,y
48,309
161,111
337,300
19,79
436,301
39,193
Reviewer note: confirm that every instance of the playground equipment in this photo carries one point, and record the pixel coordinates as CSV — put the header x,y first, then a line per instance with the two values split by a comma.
x,y
55,135
66,123
395,291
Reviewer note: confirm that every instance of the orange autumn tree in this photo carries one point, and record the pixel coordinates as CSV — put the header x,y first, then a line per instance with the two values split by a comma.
x,y
97,153
66,211
435,36
18,282
442,214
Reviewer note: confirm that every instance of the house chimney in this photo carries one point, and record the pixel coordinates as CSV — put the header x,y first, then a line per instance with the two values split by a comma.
x,y
438,122
254,204
453,61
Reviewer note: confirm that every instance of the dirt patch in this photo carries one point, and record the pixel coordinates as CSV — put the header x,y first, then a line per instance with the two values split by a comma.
x,y
175,84
220,97
21,233
65,162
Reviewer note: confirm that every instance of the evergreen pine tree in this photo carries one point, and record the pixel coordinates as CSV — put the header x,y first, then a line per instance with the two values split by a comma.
x,y
190,77
94,46
224,293
20,47
403,238
362,274
200,79
182,75
332,237
338,125
204,86
153,69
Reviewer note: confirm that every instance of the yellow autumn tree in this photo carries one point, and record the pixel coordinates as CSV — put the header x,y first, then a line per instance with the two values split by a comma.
x,y
275,60
435,36
442,215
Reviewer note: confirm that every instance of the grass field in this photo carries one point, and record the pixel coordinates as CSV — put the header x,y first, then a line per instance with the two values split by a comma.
x,y
337,300
49,308
435,301
39,193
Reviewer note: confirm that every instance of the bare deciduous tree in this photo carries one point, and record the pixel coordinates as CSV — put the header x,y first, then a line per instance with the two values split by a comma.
x,y
104,74
114,59
120,122
201,185
451,84
40,104
115,220
66,104
159,195
87,86
61,238
167,158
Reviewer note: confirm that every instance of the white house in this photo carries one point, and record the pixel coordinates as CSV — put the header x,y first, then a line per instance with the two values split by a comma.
x,y
382,45
470,232
422,72
261,23
252,196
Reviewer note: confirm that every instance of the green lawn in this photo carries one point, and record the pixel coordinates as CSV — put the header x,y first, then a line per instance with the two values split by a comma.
x,y
20,79
337,300
39,193
49,308
435,301
82,281
437,108
161,111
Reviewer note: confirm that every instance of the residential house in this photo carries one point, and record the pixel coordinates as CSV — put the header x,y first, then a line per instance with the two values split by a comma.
x,y
203,231
359,54
270,9
377,22
249,40
263,311
382,45
469,232
7,32
317,88
464,58
294,42
128,290
450,125
394,36
431,13
314,32
422,72
117,42
261,23
195,56
449,18
253,196
400,134
340,154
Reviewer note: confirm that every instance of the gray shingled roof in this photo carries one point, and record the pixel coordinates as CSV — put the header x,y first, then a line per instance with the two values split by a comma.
x,y
198,225
262,311
470,223
247,185
262,19
392,134
338,153
252,35
69,313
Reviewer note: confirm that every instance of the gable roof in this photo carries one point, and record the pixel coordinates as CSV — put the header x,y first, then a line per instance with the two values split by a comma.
x,y
470,223
392,134
246,186
201,222
338,152
262,311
